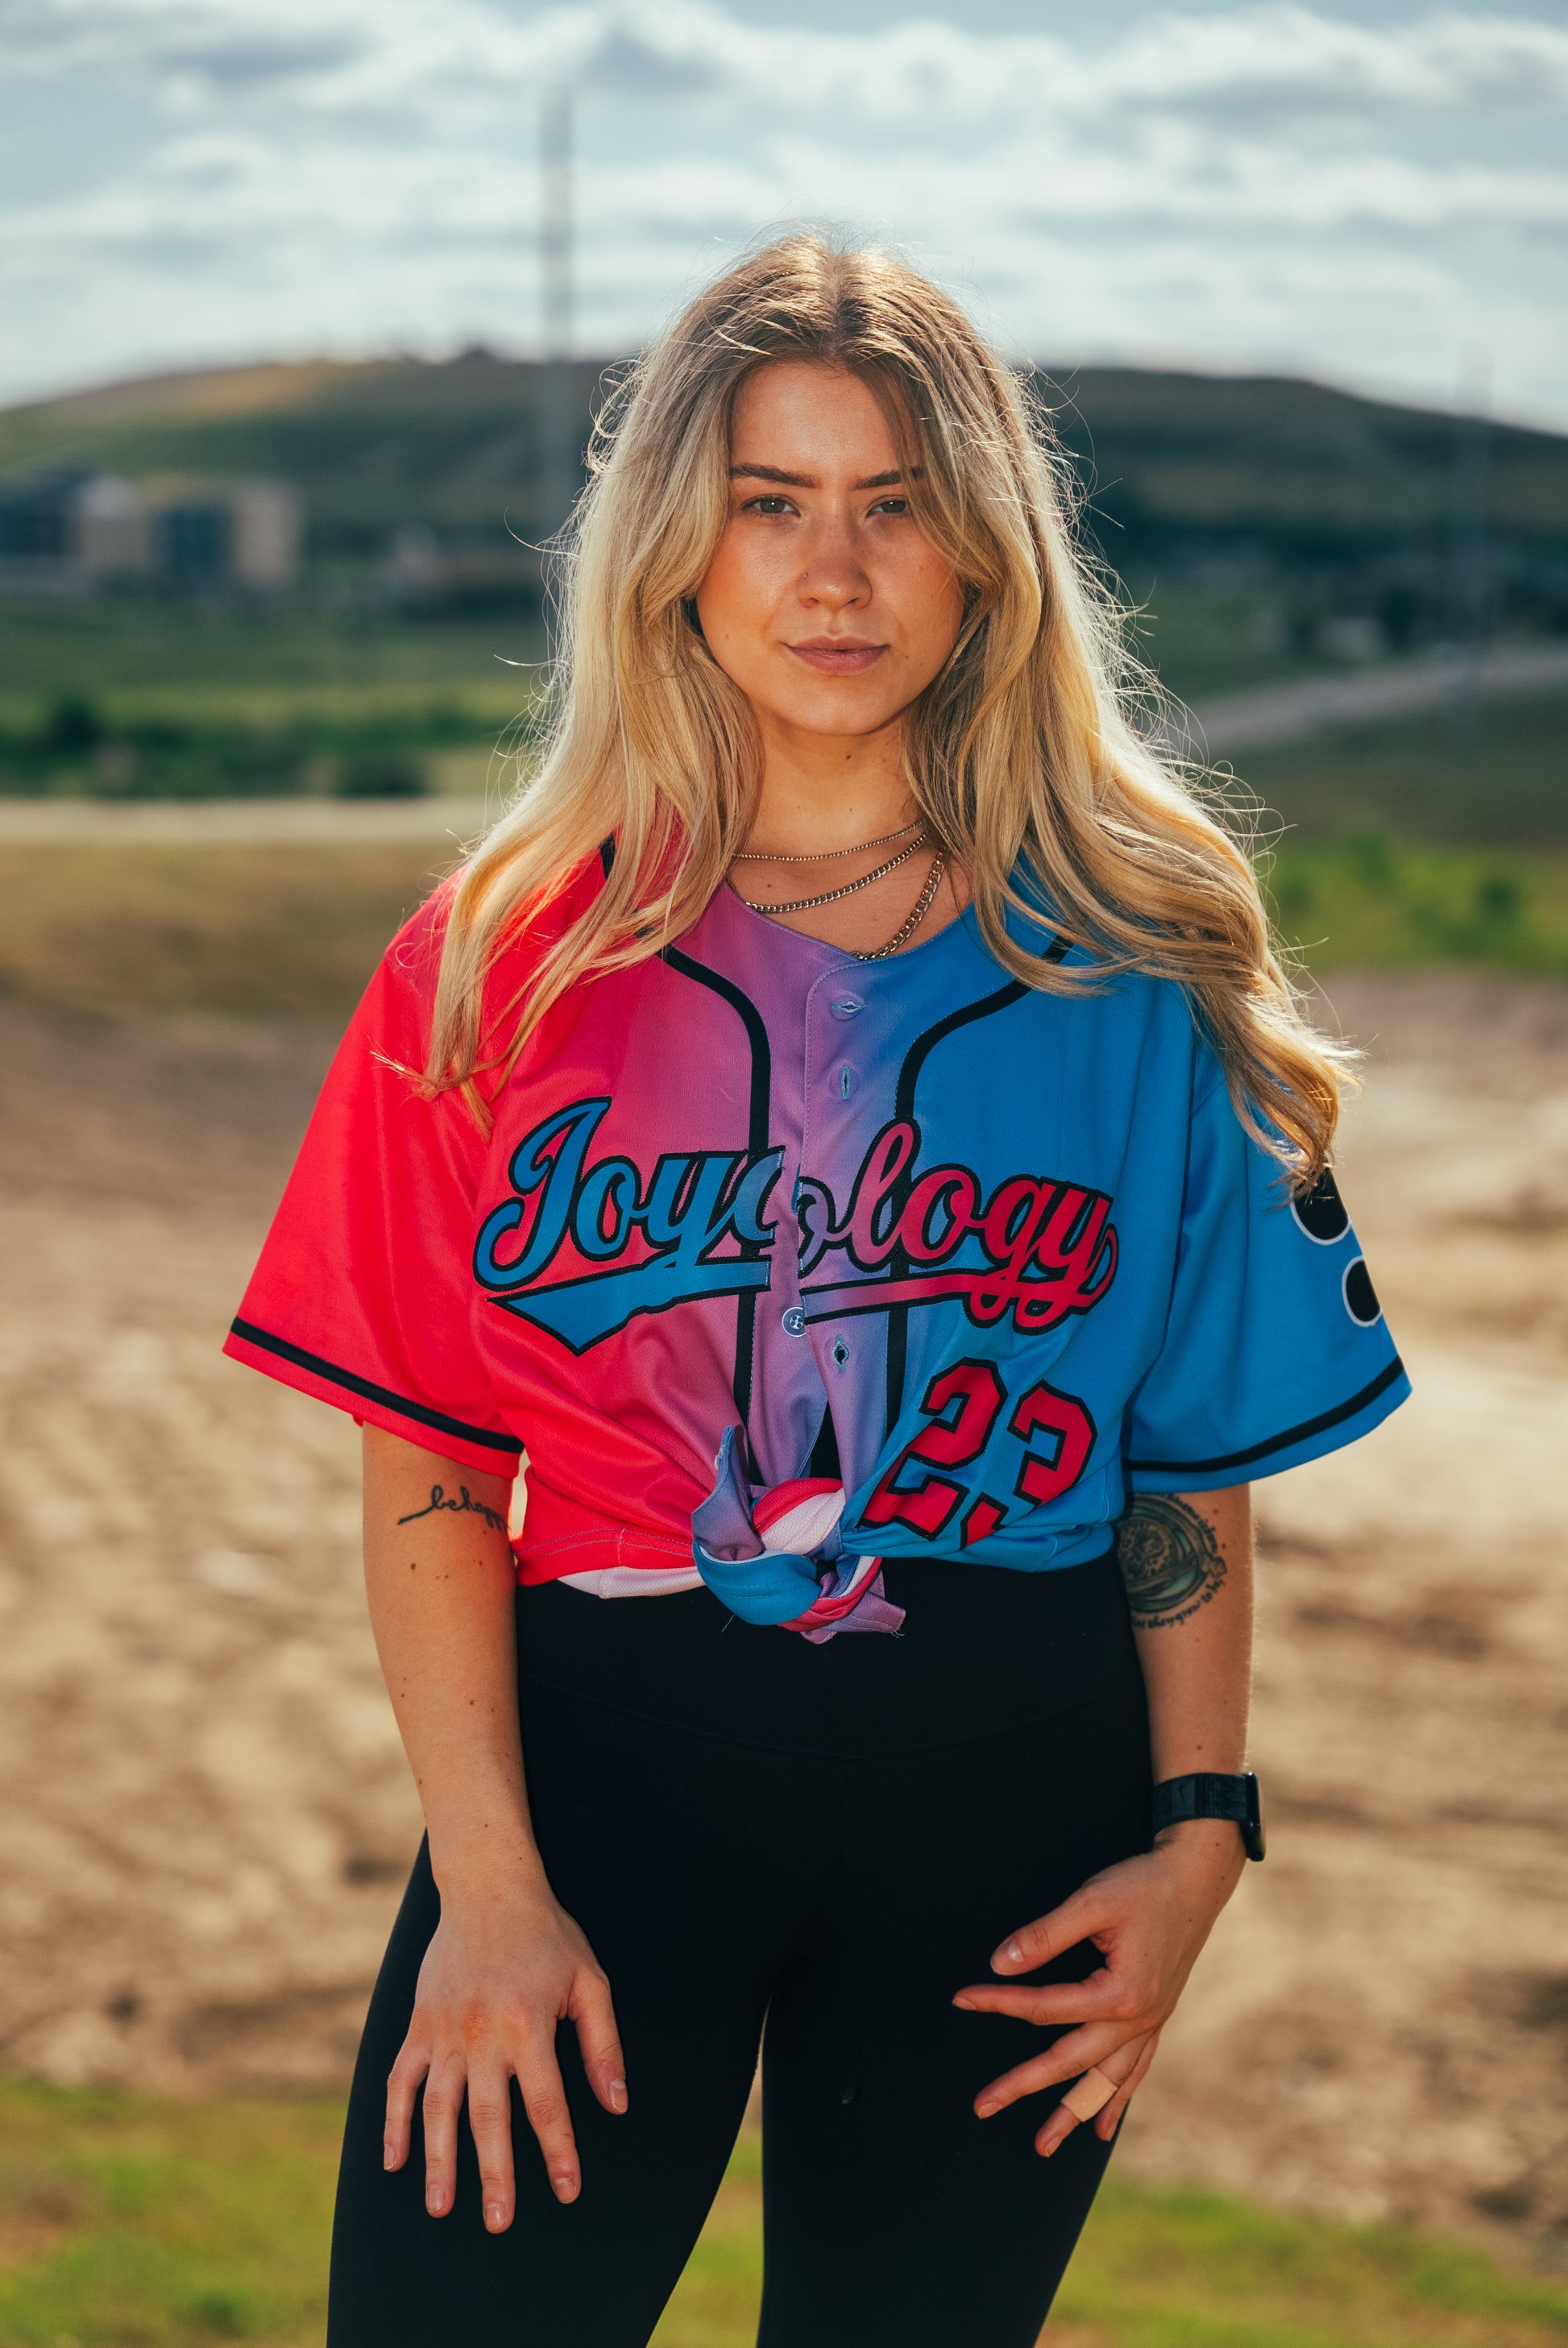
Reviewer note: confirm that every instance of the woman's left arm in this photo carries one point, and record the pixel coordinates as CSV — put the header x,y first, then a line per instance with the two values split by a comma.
x,y
1187,1560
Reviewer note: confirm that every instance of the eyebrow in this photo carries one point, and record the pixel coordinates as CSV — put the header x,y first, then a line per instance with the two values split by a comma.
x,y
805,481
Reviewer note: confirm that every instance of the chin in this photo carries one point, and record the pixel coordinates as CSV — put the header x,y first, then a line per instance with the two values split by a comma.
x,y
838,708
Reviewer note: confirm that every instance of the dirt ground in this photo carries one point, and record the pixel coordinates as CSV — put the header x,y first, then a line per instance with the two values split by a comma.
x,y
207,1815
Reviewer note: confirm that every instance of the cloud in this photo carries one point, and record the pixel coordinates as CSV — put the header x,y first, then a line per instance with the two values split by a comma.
x,y
342,54
1258,183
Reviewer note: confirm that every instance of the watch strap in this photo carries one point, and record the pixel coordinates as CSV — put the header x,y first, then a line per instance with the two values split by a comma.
x,y
1206,1793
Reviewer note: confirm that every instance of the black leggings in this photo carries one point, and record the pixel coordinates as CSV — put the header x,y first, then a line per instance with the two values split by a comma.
x,y
832,1841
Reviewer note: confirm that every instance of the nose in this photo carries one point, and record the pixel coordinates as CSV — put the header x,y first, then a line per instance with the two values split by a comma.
x,y
833,579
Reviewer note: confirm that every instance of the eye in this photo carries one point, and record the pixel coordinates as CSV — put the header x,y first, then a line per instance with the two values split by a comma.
x,y
769,507
895,505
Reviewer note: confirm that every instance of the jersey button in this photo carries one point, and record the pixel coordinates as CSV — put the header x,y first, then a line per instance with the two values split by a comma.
x,y
794,1320
846,1007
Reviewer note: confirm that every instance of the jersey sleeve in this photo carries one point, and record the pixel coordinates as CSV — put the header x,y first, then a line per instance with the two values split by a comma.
x,y
362,1295
1275,1349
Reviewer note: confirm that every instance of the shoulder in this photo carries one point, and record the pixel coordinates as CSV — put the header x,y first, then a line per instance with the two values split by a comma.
x,y
401,996
1129,1020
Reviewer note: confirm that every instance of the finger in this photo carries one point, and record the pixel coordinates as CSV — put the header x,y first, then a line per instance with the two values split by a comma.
x,y
1122,2068
402,2087
1077,1919
1069,2058
1100,1996
545,2101
443,2102
490,2118
593,2011
1109,2120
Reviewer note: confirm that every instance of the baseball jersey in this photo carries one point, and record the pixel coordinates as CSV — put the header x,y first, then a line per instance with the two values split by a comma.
x,y
775,1263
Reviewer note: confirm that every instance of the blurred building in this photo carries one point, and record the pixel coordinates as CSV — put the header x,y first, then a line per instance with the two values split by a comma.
x,y
70,531
424,569
108,527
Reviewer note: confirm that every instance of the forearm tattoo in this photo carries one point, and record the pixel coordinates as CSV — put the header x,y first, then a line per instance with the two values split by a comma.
x,y
1169,1560
462,1506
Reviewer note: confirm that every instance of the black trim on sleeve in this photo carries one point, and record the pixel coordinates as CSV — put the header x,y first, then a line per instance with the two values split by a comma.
x,y
1368,1394
354,1385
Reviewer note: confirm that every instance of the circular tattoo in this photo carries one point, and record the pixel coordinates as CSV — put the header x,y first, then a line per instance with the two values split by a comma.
x,y
1169,1558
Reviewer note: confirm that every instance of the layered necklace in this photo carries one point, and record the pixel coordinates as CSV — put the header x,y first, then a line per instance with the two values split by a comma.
x,y
924,902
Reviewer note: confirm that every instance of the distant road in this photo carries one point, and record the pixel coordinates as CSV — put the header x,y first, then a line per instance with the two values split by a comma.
x,y
1215,729
1289,713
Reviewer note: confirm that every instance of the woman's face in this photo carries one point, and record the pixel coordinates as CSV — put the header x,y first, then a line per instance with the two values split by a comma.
x,y
823,602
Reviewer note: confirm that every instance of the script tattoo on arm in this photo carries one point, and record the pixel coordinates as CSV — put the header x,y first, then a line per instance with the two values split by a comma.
x,y
1169,1560
464,1505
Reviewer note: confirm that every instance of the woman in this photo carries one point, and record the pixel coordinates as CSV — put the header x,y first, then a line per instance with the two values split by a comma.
x,y
847,1122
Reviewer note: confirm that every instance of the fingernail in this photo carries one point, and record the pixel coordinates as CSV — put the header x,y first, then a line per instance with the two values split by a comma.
x,y
1014,1953
566,2187
495,2217
984,2111
966,2003
618,2094
388,2157
434,2200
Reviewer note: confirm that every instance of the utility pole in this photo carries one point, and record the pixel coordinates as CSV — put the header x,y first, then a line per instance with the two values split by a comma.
x,y
561,433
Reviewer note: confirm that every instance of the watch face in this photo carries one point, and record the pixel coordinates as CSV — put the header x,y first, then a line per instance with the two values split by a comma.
x,y
1254,1833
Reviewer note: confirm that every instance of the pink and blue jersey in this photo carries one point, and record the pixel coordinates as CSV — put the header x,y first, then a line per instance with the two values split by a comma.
x,y
775,1263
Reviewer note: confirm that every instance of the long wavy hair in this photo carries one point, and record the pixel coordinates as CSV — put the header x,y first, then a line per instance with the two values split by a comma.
x,y
1031,754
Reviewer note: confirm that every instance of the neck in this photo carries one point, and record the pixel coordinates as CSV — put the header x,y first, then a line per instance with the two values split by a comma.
x,y
825,791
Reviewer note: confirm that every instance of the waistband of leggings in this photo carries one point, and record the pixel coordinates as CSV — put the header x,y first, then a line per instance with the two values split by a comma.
x,y
983,1648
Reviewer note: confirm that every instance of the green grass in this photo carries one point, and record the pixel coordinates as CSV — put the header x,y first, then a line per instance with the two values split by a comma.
x,y
83,749
275,666
1367,901
133,2221
128,2222
166,651
1206,641
147,700
1504,783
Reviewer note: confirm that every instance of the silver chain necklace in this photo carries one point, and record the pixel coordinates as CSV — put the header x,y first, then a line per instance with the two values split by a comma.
x,y
823,855
831,896
923,904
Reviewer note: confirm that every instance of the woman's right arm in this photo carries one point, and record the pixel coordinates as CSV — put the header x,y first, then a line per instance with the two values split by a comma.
x,y
507,1964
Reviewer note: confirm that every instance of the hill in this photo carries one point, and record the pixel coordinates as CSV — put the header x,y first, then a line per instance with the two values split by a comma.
x,y
1184,470
460,447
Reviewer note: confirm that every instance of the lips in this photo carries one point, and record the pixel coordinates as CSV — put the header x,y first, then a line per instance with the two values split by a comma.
x,y
838,656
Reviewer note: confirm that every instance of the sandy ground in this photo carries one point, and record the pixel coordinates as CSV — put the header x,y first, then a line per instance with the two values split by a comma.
x,y
207,1815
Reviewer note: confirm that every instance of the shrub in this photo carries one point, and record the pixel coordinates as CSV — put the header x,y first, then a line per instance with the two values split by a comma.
x,y
382,775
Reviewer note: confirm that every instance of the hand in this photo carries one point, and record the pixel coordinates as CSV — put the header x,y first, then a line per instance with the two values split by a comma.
x,y
1149,1916
497,1979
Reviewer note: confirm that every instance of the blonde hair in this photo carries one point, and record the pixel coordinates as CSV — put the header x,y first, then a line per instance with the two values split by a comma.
x,y
1023,754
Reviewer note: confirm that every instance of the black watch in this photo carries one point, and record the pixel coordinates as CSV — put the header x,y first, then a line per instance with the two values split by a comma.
x,y
1207,1795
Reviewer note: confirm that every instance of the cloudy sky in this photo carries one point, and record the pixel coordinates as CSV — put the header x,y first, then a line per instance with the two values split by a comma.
x,y
1364,190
